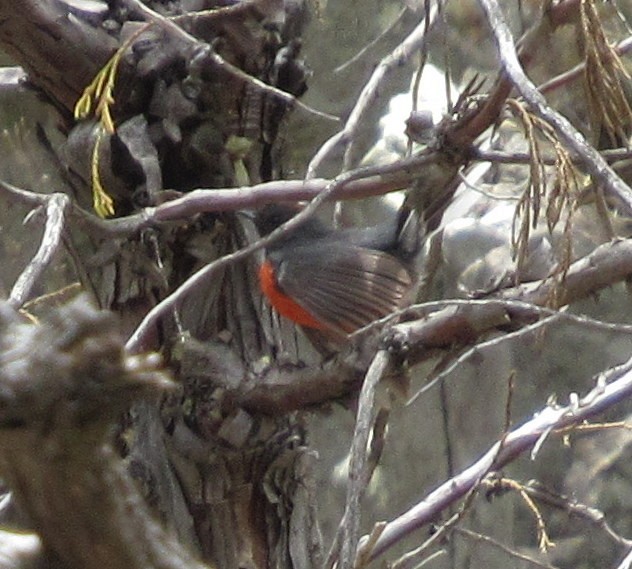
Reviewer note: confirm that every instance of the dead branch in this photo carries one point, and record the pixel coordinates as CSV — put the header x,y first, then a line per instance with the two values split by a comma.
x,y
64,385
511,553
57,207
611,387
592,161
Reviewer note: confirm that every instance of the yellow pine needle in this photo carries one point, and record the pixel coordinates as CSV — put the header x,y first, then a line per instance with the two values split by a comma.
x,y
101,201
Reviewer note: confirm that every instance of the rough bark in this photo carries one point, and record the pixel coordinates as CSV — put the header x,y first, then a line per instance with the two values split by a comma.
x,y
189,111
64,385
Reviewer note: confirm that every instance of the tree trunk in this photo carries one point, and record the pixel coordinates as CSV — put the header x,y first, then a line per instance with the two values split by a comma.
x,y
234,486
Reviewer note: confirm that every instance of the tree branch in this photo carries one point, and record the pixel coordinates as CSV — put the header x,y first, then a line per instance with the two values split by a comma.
x,y
592,161
57,206
63,386
611,388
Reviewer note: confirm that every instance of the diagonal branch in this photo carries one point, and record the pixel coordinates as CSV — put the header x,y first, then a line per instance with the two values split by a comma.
x,y
592,161
398,57
612,387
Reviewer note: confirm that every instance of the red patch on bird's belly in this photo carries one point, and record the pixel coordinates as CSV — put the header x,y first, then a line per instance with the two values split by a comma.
x,y
282,303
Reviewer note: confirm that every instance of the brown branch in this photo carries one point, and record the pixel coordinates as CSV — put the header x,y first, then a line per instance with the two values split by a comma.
x,y
606,265
360,183
64,384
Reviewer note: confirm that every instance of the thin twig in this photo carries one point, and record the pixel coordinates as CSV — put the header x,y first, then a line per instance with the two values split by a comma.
x,y
592,161
611,155
26,197
396,22
594,516
399,56
57,206
478,537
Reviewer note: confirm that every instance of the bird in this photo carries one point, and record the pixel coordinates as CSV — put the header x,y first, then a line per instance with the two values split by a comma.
x,y
333,282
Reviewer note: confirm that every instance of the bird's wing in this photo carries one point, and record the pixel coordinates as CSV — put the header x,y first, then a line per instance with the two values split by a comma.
x,y
344,287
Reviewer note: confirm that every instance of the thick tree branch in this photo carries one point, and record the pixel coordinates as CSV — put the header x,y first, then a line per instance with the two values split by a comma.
x,y
64,385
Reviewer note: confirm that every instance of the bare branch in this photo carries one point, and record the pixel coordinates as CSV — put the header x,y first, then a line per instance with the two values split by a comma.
x,y
611,155
358,56
361,182
478,537
398,57
607,264
56,209
591,159
349,527
594,516
612,387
